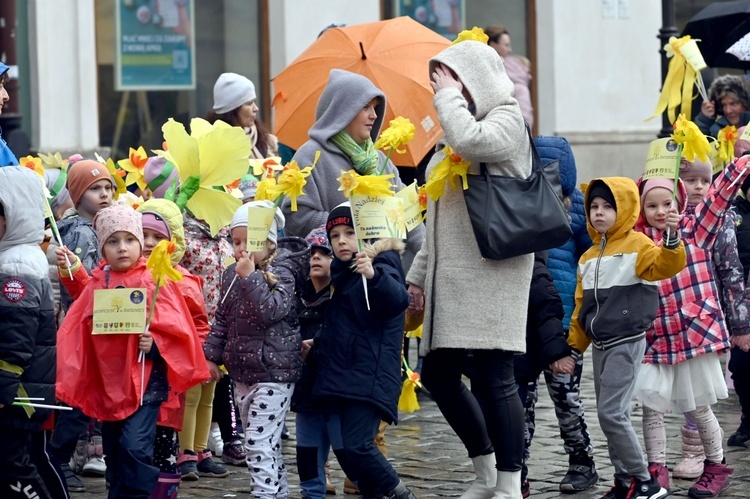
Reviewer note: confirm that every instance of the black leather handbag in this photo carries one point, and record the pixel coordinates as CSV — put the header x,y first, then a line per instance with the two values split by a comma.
x,y
515,216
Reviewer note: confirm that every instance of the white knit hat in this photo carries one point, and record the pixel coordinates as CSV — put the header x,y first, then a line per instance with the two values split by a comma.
x,y
240,218
231,91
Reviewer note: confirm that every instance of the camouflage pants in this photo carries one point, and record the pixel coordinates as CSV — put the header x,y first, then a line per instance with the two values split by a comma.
x,y
564,390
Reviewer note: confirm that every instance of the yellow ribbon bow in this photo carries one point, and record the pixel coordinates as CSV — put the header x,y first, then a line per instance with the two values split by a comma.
x,y
681,76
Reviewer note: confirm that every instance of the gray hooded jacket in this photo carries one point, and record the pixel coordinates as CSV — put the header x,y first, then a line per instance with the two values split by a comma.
x,y
344,96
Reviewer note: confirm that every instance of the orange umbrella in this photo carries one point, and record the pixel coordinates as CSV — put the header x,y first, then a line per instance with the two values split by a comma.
x,y
393,54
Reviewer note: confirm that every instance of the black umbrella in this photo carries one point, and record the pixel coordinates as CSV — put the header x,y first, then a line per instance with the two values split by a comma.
x,y
718,27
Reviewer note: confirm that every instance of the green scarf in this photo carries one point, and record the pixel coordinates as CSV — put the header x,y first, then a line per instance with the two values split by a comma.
x,y
364,158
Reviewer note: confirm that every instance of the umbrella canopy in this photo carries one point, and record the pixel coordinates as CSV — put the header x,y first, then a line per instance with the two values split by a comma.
x,y
719,26
393,54
741,49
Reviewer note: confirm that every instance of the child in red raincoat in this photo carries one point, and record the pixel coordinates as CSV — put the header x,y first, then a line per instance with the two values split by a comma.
x,y
102,375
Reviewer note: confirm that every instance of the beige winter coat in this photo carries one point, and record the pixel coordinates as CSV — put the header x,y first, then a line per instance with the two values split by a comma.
x,y
471,302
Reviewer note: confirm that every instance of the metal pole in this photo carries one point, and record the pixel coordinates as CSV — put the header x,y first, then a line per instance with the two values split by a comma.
x,y
668,29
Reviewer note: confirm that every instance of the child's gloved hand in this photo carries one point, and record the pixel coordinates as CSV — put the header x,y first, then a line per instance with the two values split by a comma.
x,y
245,265
364,265
145,342
60,254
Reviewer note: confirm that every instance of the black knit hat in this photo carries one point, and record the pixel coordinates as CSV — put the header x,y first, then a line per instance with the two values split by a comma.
x,y
600,190
340,215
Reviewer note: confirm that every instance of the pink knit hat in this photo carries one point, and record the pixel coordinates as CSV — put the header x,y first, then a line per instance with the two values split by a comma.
x,y
116,218
665,183
698,168
156,223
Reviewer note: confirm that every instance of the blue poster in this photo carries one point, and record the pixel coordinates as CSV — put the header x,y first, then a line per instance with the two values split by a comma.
x,y
155,45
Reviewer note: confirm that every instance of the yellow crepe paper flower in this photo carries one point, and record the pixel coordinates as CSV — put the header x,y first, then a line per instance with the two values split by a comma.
x,y
160,263
693,142
352,183
727,138
407,401
54,161
135,165
215,154
447,170
398,134
476,34
267,167
262,190
33,164
291,181
422,197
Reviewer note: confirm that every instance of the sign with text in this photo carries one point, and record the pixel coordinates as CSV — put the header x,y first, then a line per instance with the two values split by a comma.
x,y
378,217
412,209
119,311
155,45
259,221
662,159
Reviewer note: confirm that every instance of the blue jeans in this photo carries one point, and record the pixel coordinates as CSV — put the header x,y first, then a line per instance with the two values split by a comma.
x,y
317,432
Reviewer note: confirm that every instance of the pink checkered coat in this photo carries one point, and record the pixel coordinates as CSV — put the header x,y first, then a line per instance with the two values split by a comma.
x,y
690,321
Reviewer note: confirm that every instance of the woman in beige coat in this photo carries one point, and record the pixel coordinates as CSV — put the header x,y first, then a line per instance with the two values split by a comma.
x,y
473,304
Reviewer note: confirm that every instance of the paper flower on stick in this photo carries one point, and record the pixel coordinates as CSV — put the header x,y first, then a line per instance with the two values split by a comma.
x,y
160,263
407,401
135,165
450,167
291,182
267,167
33,164
684,71
397,135
117,174
54,161
693,142
263,188
352,183
212,155
727,138
475,34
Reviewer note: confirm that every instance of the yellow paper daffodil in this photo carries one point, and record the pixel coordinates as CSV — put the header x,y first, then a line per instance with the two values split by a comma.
x,y
476,34
160,263
54,161
352,183
398,134
263,188
727,138
407,401
135,165
422,198
212,155
267,167
291,182
117,174
694,143
447,170
33,164
683,72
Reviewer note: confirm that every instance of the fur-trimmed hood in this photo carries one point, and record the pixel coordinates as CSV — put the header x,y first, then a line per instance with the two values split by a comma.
x,y
382,245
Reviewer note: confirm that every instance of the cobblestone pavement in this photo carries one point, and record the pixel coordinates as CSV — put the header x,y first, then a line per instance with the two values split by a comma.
x,y
433,462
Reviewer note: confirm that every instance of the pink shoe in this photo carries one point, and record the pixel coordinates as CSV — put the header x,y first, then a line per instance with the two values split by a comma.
x,y
693,455
661,473
713,481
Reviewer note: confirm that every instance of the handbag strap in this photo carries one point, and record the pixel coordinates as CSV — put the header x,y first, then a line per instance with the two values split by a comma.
x,y
536,163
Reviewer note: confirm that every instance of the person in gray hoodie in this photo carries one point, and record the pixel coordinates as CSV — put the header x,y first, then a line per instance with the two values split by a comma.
x,y
344,143
473,303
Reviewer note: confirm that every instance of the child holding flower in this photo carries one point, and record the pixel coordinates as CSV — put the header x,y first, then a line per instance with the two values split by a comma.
x,y
100,373
256,336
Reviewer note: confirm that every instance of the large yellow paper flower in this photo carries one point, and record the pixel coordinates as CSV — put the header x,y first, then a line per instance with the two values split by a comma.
x,y
160,263
291,181
727,138
476,34
693,142
398,134
447,170
33,164
135,164
212,155
352,183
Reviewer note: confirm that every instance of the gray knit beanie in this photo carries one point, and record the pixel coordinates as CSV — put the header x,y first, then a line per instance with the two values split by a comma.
x,y
231,91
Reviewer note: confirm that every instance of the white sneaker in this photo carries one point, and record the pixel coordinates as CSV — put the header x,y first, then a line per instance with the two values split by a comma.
x,y
215,442
95,466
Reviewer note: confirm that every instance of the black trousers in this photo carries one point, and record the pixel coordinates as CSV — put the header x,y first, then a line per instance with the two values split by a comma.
x,y
25,467
129,450
359,425
497,423
739,366
224,410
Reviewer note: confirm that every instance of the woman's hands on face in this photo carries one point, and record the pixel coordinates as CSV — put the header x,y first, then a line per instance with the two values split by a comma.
x,y
443,77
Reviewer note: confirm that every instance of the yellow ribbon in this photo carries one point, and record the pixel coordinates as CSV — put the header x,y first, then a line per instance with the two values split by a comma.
x,y
678,85
11,368
24,396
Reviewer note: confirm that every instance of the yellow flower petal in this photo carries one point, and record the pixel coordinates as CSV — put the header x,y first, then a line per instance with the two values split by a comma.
x,y
348,180
476,34
693,141
183,149
448,170
398,134
374,185
33,164
160,263
262,191
727,137
290,183
214,207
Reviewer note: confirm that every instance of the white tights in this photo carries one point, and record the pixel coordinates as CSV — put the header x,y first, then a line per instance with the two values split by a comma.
x,y
655,434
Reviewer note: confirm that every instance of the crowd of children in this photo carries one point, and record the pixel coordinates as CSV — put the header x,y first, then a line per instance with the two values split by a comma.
x,y
314,323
